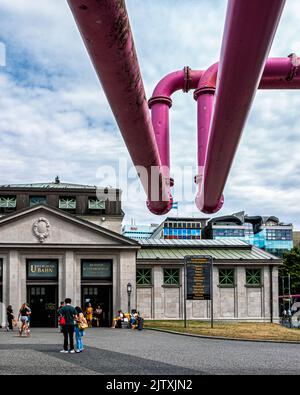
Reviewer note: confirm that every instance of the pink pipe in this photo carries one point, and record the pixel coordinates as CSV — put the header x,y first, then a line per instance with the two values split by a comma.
x,y
106,31
204,94
249,31
279,73
161,102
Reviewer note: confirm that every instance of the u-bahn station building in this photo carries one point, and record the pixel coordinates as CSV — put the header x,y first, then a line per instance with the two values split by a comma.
x,y
62,240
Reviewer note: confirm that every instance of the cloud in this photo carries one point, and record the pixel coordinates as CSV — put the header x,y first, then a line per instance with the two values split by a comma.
x,y
55,118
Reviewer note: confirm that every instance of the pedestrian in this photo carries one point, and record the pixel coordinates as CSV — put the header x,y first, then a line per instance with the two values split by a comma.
x,y
289,315
23,317
89,315
98,314
118,320
69,315
59,316
140,321
28,318
81,325
10,319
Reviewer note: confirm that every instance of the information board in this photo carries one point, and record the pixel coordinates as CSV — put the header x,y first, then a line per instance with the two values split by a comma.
x,y
97,270
198,277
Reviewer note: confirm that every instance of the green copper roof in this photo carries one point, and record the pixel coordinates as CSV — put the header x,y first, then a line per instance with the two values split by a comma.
x,y
50,185
219,249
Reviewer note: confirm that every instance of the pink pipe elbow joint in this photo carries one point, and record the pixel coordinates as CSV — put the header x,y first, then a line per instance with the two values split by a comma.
x,y
279,73
160,104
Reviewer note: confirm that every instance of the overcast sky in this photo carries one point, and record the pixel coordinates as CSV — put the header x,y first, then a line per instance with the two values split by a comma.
x,y
55,120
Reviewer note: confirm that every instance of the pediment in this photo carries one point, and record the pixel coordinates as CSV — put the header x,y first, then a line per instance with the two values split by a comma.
x,y
47,226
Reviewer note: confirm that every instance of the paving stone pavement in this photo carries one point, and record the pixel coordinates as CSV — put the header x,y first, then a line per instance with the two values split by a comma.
x,y
116,352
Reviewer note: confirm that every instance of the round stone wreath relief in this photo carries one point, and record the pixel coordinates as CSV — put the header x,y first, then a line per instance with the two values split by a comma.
x,y
41,229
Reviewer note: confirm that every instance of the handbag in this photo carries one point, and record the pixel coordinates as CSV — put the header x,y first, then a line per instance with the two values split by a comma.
x,y
62,321
82,324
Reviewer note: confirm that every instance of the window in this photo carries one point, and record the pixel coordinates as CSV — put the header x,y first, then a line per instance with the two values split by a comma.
x,y
229,233
67,203
171,276
253,277
34,200
279,234
144,276
8,201
96,204
226,277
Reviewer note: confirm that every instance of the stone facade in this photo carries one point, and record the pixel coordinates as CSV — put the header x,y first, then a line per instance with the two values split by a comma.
x,y
239,302
70,241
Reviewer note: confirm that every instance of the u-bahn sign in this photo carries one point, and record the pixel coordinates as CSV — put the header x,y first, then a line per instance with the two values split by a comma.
x,y
198,277
47,270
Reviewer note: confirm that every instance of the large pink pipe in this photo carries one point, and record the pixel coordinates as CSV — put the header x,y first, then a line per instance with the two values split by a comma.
x,y
161,102
279,73
249,32
106,31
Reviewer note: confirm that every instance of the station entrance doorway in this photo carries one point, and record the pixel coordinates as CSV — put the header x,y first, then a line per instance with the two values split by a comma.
x,y
98,295
42,292
43,304
97,289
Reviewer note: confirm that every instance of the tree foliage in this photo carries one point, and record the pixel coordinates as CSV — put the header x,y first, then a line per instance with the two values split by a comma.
x,y
291,266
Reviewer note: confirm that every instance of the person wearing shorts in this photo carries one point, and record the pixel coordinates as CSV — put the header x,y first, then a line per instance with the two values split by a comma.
x,y
23,317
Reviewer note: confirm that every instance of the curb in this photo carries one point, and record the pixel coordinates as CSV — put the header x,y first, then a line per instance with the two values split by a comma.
x,y
223,338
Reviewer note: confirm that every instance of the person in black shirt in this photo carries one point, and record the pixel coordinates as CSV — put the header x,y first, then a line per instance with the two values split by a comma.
x,y
69,314
10,318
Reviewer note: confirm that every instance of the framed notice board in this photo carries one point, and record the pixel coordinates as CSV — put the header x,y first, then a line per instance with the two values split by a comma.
x,y
198,271
198,277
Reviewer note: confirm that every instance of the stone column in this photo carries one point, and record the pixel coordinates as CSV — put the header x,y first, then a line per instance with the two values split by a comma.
x,y
16,287
69,279
5,286
127,275
276,318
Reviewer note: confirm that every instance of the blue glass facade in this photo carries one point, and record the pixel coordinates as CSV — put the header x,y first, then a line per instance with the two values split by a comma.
x,y
274,241
182,233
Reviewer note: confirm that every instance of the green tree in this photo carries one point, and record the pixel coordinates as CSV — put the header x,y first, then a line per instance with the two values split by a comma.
x,y
291,266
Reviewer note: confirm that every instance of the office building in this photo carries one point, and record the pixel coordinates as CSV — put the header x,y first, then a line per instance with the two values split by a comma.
x,y
267,233
174,228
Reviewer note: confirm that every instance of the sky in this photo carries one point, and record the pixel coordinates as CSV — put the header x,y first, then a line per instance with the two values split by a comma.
x,y
55,119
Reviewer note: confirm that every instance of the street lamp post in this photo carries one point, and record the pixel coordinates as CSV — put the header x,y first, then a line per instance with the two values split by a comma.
x,y
129,290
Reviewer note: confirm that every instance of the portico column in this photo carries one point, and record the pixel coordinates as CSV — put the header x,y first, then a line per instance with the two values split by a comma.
x,y
71,289
16,287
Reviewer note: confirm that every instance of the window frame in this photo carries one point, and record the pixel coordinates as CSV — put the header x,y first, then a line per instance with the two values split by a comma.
x,y
96,202
66,199
172,269
37,197
8,199
253,285
144,285
227,285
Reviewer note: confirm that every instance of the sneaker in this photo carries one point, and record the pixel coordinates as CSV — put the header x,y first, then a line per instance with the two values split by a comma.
x,y
64,352
72,352
77,351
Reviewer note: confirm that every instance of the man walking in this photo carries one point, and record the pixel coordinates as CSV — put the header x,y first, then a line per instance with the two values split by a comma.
x,y
69,314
